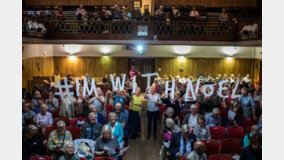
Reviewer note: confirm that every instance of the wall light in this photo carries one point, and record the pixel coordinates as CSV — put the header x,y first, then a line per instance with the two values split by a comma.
x,y
72,58
72,49
229,59
181,58
105,49
139,48
181,49
229,50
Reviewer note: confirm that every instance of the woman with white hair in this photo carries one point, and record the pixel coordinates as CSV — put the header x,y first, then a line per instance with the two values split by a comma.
x,y
170,127
100,118
107,144
169,113
191,118
44,119
116,128
99,102
68,149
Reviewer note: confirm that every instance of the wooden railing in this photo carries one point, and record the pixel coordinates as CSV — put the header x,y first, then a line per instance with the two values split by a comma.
x,y
140,30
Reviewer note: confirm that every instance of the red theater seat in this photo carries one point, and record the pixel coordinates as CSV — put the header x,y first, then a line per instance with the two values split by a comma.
x,y
75,120
162,109
220,157
41,158
82,158
75,131
181,116
217,132
54,114
230,145
248,130
246,122
66,120
126,107
254,121
183,158
235,132
104,158
212,147
47,131
109,109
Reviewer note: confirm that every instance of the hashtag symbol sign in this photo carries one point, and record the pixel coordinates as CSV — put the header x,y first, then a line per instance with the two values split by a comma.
x,y
66,86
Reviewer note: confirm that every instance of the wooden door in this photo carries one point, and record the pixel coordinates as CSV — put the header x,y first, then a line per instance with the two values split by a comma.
x,y
143,66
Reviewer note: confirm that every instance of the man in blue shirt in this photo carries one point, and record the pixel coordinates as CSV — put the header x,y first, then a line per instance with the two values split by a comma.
x,y
181,143
121,116
26,111
213,119
119,98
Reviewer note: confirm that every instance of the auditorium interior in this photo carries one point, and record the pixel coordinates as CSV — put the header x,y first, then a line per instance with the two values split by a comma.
x,y
206,41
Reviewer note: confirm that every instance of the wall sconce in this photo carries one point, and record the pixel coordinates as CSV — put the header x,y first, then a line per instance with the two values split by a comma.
x,y
72,49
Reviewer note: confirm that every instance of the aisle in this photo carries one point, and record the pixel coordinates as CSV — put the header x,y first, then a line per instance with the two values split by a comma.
x,y
143,149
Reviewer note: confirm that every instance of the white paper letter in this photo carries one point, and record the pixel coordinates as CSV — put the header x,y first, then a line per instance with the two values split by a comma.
x,y
77,87
221,88
171,89
117,82
210,86
189,85
134,84
235,89
93,87
149,75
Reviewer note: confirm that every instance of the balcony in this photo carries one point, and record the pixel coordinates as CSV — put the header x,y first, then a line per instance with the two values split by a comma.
x,y
141,30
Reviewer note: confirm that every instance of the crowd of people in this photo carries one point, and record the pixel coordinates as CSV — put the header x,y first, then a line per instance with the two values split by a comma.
x,y
109,129
123,13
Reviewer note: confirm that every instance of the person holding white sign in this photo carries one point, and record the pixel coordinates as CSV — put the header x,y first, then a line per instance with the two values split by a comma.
x,y
99,102
135,113
153,108
247,104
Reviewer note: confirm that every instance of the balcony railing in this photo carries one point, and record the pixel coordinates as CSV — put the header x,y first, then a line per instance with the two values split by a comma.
x,y
140,30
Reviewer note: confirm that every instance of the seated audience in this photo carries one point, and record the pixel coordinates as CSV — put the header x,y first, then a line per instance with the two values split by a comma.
x,y
107,140
121,116
253,151
26,110
169,113
181,143
120,97
201,130
191,118
213,119
91,129
51,102
29,120
44,119
194,14
60,14
107,16
100,118
160,12
223,17
126,15
198,153
255,130
67,108
96,17
259,124
79,12
57,138
68,150
116,128
32,144
170,128
175,12
146,15
109,98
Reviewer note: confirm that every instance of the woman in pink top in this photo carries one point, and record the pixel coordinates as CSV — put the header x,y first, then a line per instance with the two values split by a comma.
x,y
133,72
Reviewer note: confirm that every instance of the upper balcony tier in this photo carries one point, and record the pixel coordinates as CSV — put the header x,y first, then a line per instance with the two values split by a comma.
x,y
161,31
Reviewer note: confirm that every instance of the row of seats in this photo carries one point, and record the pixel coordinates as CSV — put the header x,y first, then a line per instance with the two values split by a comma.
x,y
216,157
50,158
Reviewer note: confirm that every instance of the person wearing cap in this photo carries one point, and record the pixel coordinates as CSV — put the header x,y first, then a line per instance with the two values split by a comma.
x,y
213,119
198,153
181,143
